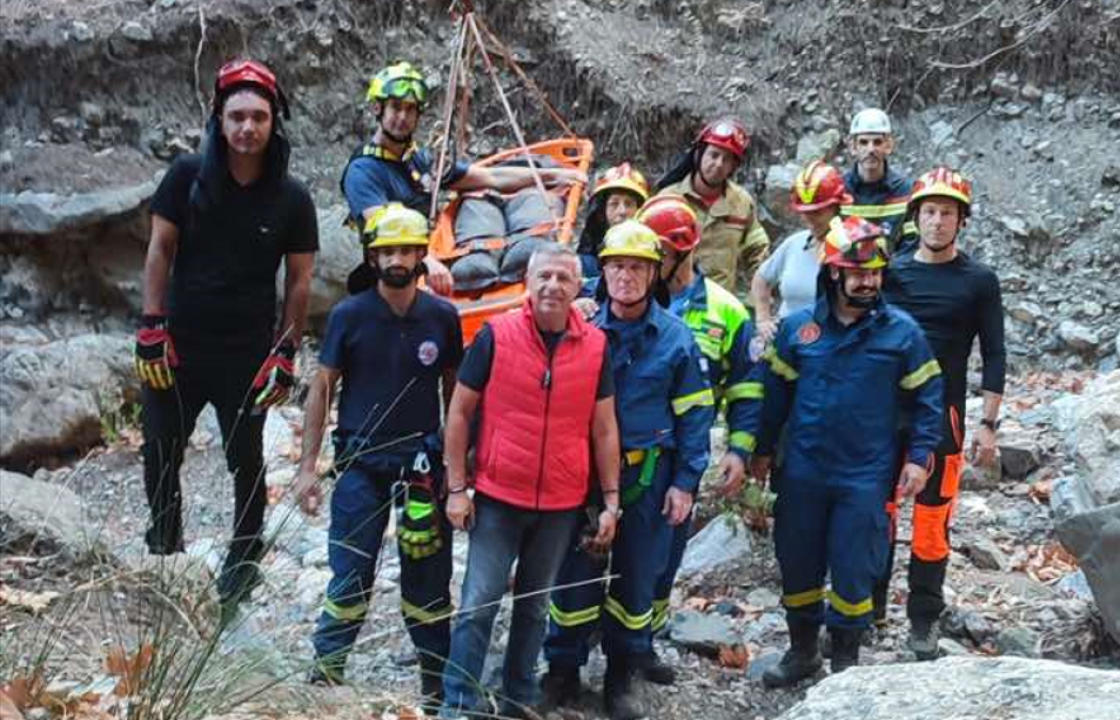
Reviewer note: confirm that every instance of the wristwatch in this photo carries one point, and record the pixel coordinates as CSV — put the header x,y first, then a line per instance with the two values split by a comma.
x,y
992,425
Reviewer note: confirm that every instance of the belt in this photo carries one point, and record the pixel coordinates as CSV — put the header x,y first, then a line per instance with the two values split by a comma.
x,y
633,457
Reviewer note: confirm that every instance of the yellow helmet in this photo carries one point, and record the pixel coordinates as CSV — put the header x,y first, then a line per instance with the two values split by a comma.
x,y
631,238
402,81
623,177
394,225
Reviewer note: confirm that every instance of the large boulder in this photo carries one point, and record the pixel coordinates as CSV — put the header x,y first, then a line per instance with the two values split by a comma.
x,y
779,182
339,253
46,213
35,514
1009,688
1086,505
53,396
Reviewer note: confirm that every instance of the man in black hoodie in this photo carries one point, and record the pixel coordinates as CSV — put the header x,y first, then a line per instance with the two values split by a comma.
x,y
221,224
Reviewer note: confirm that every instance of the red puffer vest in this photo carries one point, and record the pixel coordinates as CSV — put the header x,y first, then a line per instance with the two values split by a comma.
x,y
534,448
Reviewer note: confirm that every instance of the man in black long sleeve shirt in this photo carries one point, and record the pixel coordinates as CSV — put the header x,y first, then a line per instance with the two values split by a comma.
x,y
954,299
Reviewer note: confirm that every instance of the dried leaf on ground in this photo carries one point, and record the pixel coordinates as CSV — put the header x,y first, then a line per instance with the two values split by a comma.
x,y
1047,563
23,690
697,603
737,656
8,708
36,602
130,669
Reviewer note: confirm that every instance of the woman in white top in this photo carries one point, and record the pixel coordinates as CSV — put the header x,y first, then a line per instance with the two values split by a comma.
x,y
817,194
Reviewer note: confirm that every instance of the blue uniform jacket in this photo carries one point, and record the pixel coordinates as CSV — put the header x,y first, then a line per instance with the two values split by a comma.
x,y
723,329
882,202
661,392
846,391
374,176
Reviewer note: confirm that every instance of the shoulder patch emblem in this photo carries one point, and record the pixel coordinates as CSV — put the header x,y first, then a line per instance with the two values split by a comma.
x,y
428,352
809,333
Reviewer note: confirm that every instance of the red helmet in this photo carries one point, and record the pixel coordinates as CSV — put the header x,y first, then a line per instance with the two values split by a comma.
x,y
674,221
727,133
854,243
248,72
817,186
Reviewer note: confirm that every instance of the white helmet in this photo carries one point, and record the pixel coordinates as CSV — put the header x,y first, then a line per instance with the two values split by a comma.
x,y
871,120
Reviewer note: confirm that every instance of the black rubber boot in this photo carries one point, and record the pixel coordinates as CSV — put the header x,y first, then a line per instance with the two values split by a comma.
x,y
431,684
654,670
845,648
802,660
923,640
560,686
328,672
618,697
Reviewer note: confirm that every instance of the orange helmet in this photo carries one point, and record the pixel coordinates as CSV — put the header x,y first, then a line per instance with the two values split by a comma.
x,y
854,243
727,133
817,186
942,182
623,177
674,221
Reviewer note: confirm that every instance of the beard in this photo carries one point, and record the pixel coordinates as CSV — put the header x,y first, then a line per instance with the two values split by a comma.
x,y
397,277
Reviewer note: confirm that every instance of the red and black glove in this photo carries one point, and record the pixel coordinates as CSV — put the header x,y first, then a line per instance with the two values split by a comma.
x,y
154,355
276,377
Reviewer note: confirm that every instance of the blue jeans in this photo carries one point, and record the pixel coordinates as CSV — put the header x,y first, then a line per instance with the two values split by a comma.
x,y
502,533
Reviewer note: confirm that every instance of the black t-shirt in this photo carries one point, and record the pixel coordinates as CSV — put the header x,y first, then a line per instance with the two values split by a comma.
x,y
391,365
223,282
954,302
475,370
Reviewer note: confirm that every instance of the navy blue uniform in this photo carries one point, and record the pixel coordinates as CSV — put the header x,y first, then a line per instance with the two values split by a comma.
x,y
839,392
882,202
665,410
388,451
375,176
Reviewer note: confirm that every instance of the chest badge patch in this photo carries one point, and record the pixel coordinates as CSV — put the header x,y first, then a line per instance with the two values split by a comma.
x,y
809,333
428,352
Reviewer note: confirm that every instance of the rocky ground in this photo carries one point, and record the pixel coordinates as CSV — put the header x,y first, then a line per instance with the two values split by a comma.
x,y
96,98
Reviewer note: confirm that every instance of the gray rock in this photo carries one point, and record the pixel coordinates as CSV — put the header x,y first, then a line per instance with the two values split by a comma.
x,y
53,396
981,478
764,598
1078,337
33,511
982,688
985,554
951,647
1094,538
1020,451
967,624
761,664
37,213
81,32
818,146
763,630
723,540
339,253
702,633
1093,438
1019,641
779,182
1004,86
1027,311
136,32
940,132
1076,584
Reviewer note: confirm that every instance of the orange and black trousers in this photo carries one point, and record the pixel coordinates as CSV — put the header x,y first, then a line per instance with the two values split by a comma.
x,y
933,512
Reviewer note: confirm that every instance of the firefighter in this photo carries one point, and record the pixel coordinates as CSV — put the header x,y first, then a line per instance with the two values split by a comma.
x,y
391,346
617,196
880,193
837,380
391,167
665,411
733,242
722,328
955,299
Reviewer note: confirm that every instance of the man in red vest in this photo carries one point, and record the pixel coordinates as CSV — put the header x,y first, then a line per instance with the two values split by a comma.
x,y
541,380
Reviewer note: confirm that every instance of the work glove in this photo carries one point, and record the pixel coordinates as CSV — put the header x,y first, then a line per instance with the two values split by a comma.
x,y
154,355
276,377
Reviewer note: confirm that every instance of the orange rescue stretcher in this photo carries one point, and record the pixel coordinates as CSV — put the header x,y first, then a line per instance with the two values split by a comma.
x,y
476,307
